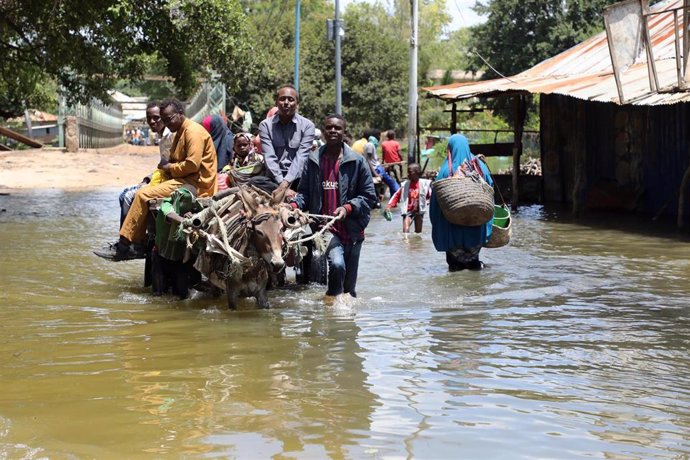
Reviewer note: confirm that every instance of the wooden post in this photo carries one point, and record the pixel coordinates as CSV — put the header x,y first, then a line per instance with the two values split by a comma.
x,y
682,199
20,138
454,119
520,112
418,151
71,134
682,196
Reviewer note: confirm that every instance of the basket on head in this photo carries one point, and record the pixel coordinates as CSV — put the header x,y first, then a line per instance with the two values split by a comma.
x,y
501,228
464,200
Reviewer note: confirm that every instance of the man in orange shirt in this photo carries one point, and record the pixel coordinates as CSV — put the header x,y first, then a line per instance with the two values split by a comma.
x,y
391,154
193,161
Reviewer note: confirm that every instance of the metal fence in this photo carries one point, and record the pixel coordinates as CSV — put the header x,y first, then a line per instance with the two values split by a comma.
x,y
208,100
98,125
101,125
530,139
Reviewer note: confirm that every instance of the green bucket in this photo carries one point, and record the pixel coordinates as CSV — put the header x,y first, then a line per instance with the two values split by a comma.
x,y
501,216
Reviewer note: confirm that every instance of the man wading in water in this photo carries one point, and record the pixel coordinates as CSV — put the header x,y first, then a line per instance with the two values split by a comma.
x,y
336,181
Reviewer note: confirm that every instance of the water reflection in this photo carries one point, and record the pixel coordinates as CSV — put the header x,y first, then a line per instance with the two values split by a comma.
x,y
305,397
573,343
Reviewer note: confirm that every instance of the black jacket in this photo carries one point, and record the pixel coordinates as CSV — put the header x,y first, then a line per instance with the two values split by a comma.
x,y
355,187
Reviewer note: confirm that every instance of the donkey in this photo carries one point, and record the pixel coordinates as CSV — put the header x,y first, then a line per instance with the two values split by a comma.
x,y
265,241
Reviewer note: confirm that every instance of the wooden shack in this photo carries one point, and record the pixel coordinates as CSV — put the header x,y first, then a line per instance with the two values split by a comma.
x,y
598,153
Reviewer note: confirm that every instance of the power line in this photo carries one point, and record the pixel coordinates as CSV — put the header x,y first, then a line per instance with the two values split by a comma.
x,y
490,66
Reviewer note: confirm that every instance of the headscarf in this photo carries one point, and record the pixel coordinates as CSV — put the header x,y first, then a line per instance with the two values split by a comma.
x,y
272,111
447,236
222,138
459,149
374,141
246,136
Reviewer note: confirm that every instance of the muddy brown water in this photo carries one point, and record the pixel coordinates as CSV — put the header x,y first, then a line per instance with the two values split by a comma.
x,y
572,343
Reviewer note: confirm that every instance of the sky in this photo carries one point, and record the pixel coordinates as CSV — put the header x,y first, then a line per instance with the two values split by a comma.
x,y
459,10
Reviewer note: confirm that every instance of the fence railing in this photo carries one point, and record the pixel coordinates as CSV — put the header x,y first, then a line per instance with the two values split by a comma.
x,y
530,139
101,125
208,100
98,125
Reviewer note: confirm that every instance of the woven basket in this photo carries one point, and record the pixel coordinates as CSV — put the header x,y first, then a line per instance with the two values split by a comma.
x,y
500,236
464,200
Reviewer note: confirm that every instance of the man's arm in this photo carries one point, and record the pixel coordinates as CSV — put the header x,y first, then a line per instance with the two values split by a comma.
x,y
270,157
300,159
366,193
301,200
194,146
393,202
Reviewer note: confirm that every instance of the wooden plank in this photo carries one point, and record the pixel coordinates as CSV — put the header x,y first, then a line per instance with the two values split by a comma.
x,y
499,149
20,138
520,107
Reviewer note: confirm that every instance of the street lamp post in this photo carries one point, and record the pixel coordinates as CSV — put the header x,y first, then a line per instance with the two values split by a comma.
x,y
338,89
412,93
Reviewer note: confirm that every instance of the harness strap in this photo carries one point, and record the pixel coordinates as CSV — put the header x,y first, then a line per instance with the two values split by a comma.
x,y
226,244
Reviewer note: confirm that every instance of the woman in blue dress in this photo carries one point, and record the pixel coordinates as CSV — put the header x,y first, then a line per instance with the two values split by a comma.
x,y
460,243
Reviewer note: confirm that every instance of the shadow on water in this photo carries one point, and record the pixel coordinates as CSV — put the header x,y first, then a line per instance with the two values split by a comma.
x,y
571,343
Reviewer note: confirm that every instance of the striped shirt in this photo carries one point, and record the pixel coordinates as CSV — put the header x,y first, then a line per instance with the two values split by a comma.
x,y
329,184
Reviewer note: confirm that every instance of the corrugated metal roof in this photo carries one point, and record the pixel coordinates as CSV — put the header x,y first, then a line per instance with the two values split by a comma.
x,y
585,72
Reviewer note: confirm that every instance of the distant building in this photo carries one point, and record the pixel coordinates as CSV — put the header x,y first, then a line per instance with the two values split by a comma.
x,y
436,75
43,125
133,108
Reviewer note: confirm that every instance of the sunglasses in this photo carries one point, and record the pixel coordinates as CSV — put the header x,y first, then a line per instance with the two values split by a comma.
x,y
167,120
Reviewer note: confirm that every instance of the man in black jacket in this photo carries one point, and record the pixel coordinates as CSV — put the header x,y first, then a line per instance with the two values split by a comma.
x,y
337,181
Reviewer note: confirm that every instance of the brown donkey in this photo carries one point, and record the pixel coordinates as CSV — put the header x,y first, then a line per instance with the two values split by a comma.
x,y
264,249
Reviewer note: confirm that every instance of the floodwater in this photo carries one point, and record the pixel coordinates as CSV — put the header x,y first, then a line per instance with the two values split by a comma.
x,y
572,343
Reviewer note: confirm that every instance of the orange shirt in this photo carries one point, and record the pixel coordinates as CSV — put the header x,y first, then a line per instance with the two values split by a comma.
x,y
391,151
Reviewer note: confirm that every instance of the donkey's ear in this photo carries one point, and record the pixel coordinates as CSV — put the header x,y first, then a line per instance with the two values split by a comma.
x,y
249,201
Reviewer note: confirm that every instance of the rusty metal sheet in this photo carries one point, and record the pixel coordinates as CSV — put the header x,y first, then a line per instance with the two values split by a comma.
x,y
585,72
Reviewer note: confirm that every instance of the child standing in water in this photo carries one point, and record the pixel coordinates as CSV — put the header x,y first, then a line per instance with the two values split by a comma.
x,y
414,194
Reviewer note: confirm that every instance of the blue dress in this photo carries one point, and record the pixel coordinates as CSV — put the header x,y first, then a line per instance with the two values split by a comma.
x,y
446,236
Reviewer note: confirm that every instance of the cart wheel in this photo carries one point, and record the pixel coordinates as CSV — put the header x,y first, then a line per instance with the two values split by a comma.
x,y
318,272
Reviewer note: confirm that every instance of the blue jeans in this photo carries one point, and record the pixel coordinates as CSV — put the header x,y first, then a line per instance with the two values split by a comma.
x,y
126,198
388,180
343,263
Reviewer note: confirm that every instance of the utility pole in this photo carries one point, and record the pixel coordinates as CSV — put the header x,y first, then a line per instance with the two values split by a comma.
x,y
297,21
412,94
338,89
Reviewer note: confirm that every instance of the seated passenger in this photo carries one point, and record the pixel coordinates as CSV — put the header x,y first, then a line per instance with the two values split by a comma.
x,y
222,142
247,163
192,161
153,118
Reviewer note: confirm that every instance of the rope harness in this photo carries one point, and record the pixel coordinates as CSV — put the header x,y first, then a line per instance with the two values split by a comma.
x,y
226,230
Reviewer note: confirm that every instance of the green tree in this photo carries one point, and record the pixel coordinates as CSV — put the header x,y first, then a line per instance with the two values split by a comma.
x,y
521,33
272,27
374,70
86,45
450,52
374,62
433,21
